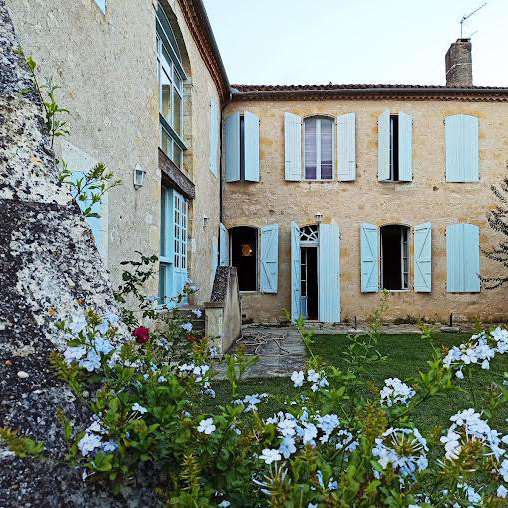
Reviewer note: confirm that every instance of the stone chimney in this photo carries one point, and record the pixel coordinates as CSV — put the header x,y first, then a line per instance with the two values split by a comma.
x,y
459,64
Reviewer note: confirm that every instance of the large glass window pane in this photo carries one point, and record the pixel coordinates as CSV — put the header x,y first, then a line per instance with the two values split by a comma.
x,y
165,96
177,113
166,143
310,148
177,155
326,148
164,223
166,60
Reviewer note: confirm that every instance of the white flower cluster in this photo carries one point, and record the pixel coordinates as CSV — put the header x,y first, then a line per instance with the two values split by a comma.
x,y
92,441
317,379
479,350
251,401
200,374
468,425
304,430
88,354
395,392
404,449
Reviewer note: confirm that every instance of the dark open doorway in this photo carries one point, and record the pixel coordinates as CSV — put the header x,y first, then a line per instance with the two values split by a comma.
x,y
310,294
244,256
394,257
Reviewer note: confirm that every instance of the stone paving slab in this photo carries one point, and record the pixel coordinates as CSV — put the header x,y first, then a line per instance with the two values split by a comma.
x,y
280,351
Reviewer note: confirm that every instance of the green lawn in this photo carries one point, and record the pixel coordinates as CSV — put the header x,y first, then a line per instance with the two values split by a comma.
x,y
407,354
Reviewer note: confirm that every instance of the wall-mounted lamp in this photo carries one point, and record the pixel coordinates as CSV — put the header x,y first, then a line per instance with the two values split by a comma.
x,y
319,217
205,221
139,177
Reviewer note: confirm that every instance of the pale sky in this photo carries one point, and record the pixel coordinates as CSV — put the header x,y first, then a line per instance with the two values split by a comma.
x,y
356,41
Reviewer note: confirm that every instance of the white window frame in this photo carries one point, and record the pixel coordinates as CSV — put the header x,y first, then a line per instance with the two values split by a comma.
x,y
165,64
318,148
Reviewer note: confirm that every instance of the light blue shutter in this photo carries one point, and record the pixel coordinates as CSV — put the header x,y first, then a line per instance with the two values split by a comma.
x,y
251,143
232,142
215,257
471,258
369,258
214,135
383,146
423,258
269,258
405,147
462,155
462,258
224,245
293,147
329,306
296,274
346,147
94,223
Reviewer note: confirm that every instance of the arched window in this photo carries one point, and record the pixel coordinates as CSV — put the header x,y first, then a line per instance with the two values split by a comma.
x,y
318,137
171,76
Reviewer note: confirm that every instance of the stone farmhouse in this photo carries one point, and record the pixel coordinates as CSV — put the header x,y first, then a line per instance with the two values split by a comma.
x,y
320,196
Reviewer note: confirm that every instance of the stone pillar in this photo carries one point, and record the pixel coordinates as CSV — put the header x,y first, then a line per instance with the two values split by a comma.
x,y
459,64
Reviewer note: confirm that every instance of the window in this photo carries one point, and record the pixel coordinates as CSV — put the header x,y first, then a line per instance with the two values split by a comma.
x,y
394,260
170,78
244,256
241,139
318,148
395,147
173,246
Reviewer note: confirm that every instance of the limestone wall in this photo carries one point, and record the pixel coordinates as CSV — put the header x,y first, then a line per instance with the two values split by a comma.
x,y
428,198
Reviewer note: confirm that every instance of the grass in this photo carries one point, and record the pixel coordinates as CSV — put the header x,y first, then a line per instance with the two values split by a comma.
x,y
407,354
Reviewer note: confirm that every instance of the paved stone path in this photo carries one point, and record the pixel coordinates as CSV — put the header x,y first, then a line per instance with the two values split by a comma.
x,y
281,349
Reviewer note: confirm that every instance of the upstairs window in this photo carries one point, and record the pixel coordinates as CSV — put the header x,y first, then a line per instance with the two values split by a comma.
x,y
170,76
318,135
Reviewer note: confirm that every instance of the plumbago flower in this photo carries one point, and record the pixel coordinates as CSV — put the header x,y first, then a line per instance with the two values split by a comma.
x,y
251,401
206,426
317,379
404,449
395,392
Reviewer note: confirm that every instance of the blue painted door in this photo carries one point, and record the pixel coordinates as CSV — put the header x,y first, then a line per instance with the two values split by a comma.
x,y
296,278
329,298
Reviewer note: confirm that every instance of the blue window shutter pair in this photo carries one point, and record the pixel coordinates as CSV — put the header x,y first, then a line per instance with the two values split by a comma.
x,y
214,135
94,223
346,147
269,258
462,152
224,245
423,258
329,304
462,258
232,147
405,147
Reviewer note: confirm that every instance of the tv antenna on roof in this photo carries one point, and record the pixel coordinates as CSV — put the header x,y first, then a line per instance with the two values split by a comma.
x,y
467,16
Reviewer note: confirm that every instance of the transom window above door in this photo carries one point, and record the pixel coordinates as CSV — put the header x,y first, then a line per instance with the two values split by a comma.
x,y
318,136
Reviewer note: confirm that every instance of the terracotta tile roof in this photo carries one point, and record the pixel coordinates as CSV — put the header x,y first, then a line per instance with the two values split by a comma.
x,y
370,91
290,88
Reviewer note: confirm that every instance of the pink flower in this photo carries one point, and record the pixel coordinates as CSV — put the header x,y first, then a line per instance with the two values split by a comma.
x,y
142,334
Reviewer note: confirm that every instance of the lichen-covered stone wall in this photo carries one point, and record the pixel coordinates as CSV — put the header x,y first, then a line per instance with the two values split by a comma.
x,y
49,269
